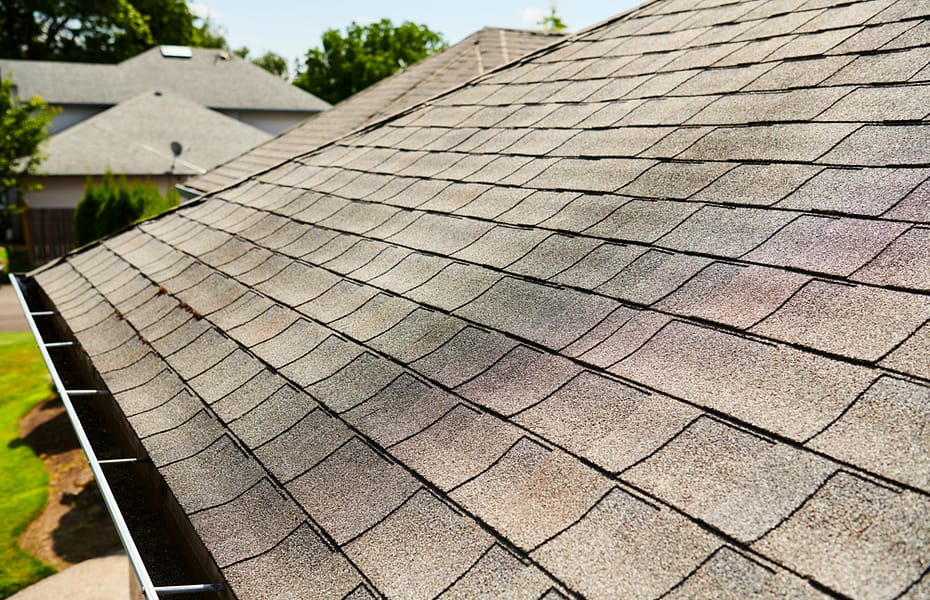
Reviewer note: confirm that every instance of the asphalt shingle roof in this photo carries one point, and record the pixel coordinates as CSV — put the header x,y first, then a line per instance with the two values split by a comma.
x,y
210,77
642,315
131,138
476,54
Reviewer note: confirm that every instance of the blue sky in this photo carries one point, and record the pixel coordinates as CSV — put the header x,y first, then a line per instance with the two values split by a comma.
x,y
290,28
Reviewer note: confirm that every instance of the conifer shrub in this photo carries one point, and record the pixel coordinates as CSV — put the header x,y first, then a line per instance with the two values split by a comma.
x,y
116,203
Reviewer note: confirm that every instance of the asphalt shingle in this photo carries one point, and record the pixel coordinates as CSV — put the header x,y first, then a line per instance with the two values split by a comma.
x,y
457,447
320,433
400,410
883,431
532,493
731,574
606,421
736,481
351,490
643,314
636,549
419,549
846,311
862,560
303,563
253,523
499,572
802,392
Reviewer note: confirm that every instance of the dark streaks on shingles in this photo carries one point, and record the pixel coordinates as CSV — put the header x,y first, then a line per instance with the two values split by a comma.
x,y
773,164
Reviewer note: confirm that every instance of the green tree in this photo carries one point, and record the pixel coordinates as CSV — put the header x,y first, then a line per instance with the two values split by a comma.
x,y
364,55
23,126
114,204
552,21
207,34
98,30
274,64
271,62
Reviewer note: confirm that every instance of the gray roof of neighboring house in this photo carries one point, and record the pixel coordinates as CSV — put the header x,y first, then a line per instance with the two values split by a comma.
x,y
210,77
476,54
134,137
65,82
646,314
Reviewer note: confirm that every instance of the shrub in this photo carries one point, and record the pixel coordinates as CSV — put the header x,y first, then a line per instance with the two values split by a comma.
x,y
116,203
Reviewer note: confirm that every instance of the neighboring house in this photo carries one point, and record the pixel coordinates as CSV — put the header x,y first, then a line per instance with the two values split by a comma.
x,y
213,78
205,92
478,53
643,315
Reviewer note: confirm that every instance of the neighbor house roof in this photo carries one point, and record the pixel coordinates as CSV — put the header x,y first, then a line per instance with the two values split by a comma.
x,y
65,82
132,138
210,77
476,54
643,315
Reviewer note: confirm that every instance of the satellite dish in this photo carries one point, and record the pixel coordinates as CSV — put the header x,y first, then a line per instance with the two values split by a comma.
x,y
176,149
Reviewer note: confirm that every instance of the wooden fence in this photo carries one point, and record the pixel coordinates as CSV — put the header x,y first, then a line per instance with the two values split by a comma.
x,y
49,233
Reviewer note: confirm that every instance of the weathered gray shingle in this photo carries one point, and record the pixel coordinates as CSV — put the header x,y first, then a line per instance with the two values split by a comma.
x,y
641,315
626,547
866,559
352,489
419,549
474,55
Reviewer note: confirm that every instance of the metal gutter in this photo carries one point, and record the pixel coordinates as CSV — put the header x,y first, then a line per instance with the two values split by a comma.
x,y
149,590
188,193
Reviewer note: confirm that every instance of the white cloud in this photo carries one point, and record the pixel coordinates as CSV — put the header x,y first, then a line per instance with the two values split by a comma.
x,y
202,11
532,15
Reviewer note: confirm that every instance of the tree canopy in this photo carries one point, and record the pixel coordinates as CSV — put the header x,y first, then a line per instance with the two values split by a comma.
x,y
98,30
271,62
23,126
365,54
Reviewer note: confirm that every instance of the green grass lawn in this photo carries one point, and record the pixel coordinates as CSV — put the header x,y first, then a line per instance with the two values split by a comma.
x,y
24,382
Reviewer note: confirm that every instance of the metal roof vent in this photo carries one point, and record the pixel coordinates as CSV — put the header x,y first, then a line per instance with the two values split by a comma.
x,y
176,51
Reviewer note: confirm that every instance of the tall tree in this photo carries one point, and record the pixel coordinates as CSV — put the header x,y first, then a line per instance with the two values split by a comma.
x,y
364,55
98,30
271,62
23,126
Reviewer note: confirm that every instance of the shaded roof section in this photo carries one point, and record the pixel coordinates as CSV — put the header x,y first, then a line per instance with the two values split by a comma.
x,y
131,138
476,54
644,315
210,77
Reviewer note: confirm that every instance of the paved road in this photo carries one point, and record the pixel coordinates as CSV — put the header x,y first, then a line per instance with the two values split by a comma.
x,y
11,315
105,578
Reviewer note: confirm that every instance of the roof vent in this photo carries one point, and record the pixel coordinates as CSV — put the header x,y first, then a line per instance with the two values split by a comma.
x,y
176,51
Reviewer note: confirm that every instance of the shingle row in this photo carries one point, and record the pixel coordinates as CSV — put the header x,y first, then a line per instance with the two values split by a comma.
x,y
643,315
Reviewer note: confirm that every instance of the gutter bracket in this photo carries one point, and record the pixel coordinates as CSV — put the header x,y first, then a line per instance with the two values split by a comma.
x,y
135,559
